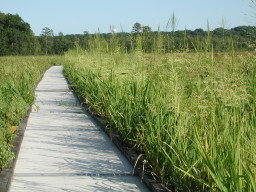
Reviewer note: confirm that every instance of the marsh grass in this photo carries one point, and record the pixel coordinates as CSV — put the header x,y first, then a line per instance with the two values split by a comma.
x,y
191,114
18,78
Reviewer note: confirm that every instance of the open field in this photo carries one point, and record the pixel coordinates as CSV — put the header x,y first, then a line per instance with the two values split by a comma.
x,y
18,78
184,100
191,115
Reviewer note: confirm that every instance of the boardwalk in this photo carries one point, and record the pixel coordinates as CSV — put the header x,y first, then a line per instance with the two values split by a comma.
x,y
64,150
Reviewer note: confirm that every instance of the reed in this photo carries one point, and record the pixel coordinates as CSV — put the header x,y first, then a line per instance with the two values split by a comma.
x,y
18,78
192,115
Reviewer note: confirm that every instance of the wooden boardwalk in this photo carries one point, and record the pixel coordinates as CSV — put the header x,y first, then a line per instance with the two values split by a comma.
x,y
64,150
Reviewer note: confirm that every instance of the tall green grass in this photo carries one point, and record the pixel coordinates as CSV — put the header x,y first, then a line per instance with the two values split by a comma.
x,y
18,78
192,115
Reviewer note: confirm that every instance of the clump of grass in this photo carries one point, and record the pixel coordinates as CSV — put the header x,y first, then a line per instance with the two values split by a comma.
x,y
192,114
19,76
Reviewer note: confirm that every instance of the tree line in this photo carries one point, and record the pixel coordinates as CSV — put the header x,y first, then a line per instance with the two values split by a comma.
x,y
17,38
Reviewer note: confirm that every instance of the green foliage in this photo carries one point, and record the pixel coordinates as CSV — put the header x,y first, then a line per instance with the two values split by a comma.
x,y
5,154
60,44
191,114
16,37
136,28
47,40
219,39
146,29
16,95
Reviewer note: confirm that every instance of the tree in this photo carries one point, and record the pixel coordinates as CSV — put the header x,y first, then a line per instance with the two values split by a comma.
x,y
60,44
199,32
74,41
47,40
15,35
3,42
85,40
136,28
146,29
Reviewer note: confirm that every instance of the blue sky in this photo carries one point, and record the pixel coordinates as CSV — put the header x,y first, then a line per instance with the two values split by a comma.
x,y
77,16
